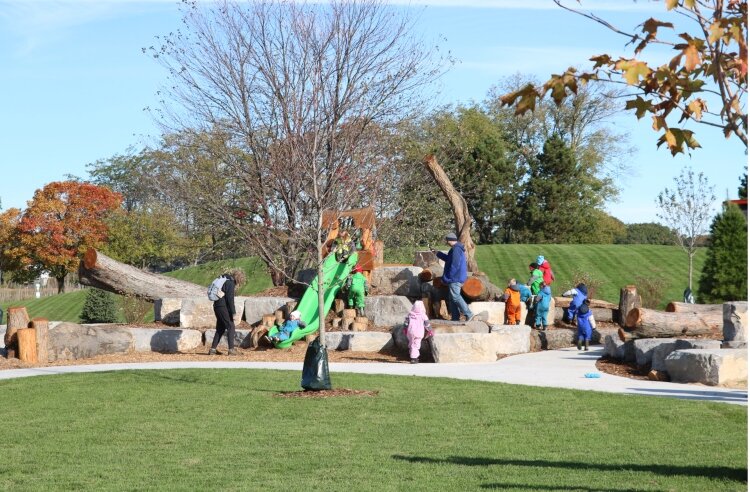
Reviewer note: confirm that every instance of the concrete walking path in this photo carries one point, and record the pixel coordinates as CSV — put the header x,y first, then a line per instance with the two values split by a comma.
x,y
553,368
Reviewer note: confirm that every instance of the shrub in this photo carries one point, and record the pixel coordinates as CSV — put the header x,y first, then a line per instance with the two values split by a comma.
x,y
134,309
592,283
99,307
652,289
724,275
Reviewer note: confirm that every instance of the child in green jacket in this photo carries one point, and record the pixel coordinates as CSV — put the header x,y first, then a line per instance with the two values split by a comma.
x,y
356,286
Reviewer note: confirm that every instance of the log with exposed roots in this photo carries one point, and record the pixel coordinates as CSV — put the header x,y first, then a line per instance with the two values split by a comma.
x,y
100,271
649,323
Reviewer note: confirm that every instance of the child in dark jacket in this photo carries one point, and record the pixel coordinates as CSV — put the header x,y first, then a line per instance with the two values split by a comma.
x,y
579,293
585,321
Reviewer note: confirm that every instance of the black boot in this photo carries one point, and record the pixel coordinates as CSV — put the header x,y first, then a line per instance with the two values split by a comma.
x,y
579,344
414,361
587,345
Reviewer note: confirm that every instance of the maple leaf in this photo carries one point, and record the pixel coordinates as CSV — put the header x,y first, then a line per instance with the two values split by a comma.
x,y
633,70
640,105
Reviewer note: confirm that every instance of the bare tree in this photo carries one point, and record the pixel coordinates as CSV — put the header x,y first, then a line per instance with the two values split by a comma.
x,y
686,210
296,92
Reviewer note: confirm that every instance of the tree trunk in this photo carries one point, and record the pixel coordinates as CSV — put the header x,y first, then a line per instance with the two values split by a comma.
x,y
690,270
686,307
460,209
649,323
27,345
18,319
41,327
479,288
629,299
60,284
100,271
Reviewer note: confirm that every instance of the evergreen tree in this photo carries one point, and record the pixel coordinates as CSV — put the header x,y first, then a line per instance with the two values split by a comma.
x,y
99,307
559,200
742,190
724,276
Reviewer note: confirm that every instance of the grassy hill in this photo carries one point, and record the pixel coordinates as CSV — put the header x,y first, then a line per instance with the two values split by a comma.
x,y
613,265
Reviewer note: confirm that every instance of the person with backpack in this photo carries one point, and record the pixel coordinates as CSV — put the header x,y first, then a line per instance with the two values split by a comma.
x,y
221,291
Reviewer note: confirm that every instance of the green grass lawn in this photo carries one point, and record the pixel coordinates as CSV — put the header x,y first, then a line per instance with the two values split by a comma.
x,y
228,430
615,265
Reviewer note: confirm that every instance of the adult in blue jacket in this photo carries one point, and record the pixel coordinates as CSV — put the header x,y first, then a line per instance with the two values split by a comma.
x,y
454,276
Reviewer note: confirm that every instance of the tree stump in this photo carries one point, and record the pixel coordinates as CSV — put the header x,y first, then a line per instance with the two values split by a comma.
x,y
338,306
346,324
361,319
268,320
279,317
41,326
336,323
27,345
350,313
629,299
257,335
18,319
357,326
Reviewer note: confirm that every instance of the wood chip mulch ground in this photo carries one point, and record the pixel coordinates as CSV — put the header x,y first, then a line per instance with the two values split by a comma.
x,y
332,393
620,368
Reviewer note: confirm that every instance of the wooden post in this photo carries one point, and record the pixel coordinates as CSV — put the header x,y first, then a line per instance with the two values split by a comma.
x,y
629,299
41,327
27,345
18,319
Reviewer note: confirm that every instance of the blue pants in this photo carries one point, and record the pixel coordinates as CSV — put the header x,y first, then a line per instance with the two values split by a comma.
x,y
456,303
584,333
540,318
572,312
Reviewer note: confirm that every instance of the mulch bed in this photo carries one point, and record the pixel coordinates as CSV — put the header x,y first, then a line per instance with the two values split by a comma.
x,y
620,368
332,393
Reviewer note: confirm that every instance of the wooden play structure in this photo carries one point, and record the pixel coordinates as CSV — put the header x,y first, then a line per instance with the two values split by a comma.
x,y
345,223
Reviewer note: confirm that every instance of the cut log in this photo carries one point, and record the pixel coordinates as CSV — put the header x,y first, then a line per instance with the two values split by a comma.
x,y
461,213
430,273
361,319
279,317
41,326
685,307
350,313
257,335
479,288
100,271
357,326
649,323
338,306
27,345
629,300
18,318
564,302
268,320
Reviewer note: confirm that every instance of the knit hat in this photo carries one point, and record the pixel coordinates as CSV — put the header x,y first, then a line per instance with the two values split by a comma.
x,y
295,315
540,260
418,307
451,237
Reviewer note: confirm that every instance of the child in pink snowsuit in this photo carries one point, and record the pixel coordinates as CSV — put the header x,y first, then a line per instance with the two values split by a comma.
x,y
417,326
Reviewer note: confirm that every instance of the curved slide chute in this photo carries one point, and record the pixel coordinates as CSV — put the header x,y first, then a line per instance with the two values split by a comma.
x,y
334,276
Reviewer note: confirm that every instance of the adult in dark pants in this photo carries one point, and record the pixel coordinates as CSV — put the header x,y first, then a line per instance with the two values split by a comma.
x,y
224,310
454,276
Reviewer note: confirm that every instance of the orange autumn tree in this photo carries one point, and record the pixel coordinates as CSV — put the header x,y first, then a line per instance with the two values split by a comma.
x,y
64,219
9,243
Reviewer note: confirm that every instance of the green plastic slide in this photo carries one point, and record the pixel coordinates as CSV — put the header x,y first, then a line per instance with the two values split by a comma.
x,y
334,276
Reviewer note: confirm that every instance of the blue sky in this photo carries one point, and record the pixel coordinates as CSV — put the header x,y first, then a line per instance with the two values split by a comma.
x,y
75,83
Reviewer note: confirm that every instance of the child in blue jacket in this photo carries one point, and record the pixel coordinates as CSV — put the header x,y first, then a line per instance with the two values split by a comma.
x,y
543,300
579,294
286,329
585,324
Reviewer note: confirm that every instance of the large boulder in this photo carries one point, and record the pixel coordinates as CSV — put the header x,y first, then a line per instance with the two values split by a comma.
x,y
401,342
257,307
198,312
396,280
71,341
242,338
387,310
514,339
661,352
735,321
465,347
167,310
444,326
715,367
644,348
369,341
495,311
165,341
619,350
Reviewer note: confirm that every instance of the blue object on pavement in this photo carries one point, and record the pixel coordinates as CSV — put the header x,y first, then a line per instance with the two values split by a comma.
x,y
593,375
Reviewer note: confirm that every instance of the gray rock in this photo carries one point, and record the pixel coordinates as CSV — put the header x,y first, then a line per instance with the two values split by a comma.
x,y
257,307
165,341
695,343
619,350
465,347
387,310
397,280
495,311
338,340
401,342
735,321
558,338
71,341
734,345
168,310
659,355
241,338
715,367
444,326
644,348
197,312
514,339
370,341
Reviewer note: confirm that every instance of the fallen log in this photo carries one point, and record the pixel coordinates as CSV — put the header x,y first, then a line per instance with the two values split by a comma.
x,y
479,288
100,271
686,307
649,323
629,300
430,272
564,302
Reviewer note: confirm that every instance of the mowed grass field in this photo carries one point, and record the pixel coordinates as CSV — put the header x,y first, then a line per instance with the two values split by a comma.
x,y
218,429
613,265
